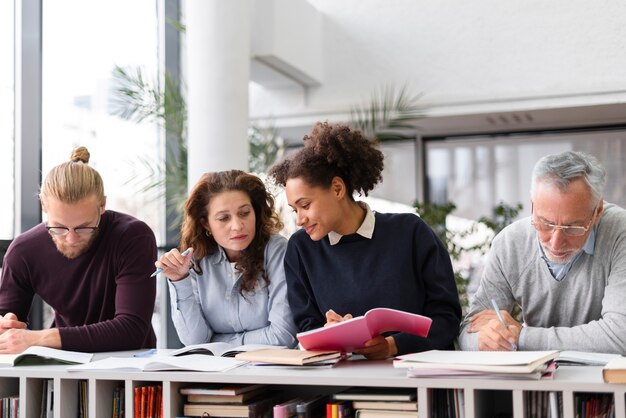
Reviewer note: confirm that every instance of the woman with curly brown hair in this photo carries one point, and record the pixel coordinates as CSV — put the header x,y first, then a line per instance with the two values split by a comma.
x,y
230,287
348,259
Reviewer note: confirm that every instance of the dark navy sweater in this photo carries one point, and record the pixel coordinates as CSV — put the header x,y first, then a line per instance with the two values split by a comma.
x,y
403,266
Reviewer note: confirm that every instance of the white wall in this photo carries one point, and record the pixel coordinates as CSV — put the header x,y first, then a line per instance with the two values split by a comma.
x,y
465,56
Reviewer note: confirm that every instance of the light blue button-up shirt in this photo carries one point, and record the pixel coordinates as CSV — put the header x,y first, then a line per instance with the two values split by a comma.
x,y
558,270
210,307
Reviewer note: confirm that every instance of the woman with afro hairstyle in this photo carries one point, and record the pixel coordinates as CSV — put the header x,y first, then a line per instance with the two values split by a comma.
x,y
346,259
230,287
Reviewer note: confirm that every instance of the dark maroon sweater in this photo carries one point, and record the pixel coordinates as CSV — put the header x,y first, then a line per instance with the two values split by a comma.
x,y
103,300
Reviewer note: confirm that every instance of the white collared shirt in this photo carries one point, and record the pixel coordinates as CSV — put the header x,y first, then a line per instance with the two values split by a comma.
x,y
366,229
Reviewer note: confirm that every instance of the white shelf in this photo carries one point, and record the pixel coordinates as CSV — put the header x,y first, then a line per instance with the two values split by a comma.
x,y
480,394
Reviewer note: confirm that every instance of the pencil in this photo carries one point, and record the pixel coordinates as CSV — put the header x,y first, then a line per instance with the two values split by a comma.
x,y
157,271
495,306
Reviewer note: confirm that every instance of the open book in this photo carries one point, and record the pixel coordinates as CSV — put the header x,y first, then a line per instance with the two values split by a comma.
x,y
38,355
483,361
193,362
353,333
220,349
582,358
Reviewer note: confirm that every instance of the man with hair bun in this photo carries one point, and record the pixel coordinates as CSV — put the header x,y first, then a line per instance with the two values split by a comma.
x,y
564,267
347,259
91,265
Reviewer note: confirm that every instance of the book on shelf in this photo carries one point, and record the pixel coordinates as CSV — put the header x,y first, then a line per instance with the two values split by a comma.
x,y
288,356
221,389
118,402
312,407
47,399
286,409
339,409
385,405
377,394
9,406
258,407
615,370
352,334
484,361
378,413
82,399
582,358
220,349
234,399
38,355
148,401
192,362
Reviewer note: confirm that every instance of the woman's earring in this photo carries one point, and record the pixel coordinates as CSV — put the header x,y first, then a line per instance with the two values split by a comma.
x,y
207,233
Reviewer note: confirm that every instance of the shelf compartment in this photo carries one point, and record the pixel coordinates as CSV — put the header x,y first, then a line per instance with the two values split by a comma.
x,y
591,404
493,403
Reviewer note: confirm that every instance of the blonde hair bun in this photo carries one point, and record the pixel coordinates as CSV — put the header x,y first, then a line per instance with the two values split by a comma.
x,y
80,154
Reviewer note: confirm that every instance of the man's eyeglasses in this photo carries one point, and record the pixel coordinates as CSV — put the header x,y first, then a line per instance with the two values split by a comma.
x,y
571,230
83,231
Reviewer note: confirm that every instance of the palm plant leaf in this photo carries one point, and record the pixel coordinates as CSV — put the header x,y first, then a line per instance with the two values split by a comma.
x,y
389,114
138,100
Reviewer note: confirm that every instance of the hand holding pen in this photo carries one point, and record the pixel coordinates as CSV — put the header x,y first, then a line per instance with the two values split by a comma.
x,y
174,264
333,317
502,321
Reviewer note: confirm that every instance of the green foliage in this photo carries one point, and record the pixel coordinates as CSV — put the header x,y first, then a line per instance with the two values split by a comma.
x,y
456,241
266,147
139,100
389,115
503,215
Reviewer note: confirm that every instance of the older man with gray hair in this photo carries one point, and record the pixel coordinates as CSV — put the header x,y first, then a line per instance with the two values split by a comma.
x,y
564,266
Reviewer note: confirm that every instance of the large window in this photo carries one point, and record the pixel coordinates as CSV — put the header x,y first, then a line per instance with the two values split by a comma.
x,y
83,42
478,173
7,121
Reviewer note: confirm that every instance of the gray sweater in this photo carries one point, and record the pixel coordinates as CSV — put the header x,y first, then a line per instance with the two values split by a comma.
x,y
586,311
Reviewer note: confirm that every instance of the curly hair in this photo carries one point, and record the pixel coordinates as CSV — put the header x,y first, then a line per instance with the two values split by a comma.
x,y
334,150
196,213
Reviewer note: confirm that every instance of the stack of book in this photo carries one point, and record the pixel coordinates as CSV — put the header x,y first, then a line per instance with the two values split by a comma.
x,y
290,357
481,364
234,400
148,401
376,402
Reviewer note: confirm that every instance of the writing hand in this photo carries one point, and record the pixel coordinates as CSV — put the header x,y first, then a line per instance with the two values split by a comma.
x,y
175,265
333,317
482,318
378,348
10,321
494,336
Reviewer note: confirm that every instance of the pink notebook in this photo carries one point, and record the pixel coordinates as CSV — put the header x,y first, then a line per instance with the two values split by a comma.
x,y
353,333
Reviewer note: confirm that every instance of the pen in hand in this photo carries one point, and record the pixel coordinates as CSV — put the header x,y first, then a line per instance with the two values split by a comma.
x,y
157,271
495,306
